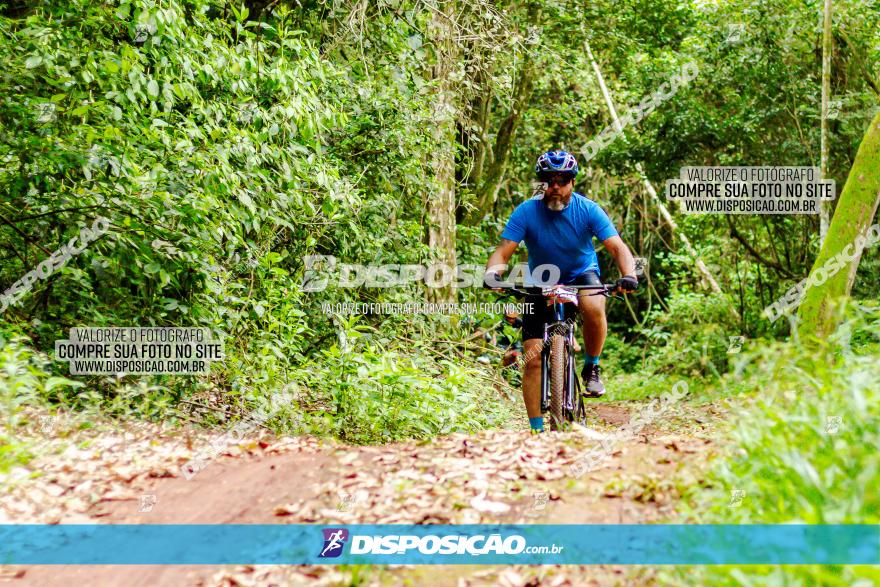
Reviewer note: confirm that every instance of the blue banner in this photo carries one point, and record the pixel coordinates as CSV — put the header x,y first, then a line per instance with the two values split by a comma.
x,y
440,544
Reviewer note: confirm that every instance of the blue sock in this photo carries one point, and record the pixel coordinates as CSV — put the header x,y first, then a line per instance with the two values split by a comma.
x,y
591,360
537,423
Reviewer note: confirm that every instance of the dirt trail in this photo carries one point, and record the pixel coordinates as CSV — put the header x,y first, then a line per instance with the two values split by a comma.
x,y
496,476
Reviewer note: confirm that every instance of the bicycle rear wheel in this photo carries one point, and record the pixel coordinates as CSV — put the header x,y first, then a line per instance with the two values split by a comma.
x,y
557,381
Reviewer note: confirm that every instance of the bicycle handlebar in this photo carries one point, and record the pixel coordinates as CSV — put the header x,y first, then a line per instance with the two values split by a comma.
x,y
602,289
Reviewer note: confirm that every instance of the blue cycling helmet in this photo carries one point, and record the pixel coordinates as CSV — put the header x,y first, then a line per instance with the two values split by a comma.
x,y
556,162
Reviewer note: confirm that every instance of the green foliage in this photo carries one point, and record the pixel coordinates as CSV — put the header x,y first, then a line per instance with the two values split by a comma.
x,y
381,395
222,151
23,382
690,335
804,450
196,137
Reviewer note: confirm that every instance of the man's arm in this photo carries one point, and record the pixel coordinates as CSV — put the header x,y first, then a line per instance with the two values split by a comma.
x,y
622,256
503,252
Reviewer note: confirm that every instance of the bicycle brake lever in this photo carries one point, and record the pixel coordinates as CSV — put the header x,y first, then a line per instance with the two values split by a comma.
x,y
607,294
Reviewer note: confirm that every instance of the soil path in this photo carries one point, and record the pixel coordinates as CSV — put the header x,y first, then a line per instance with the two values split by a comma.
x,y
496,476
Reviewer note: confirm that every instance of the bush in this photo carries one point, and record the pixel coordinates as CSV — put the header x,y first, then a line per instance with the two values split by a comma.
x,y
691,338
378,392
23,381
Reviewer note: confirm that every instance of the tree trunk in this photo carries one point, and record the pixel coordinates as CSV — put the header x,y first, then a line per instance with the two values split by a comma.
x,y
479,114
490,177
855,210
490,167
441,202
826,96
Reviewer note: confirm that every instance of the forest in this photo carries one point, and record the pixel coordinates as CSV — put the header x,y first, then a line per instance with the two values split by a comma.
x,y
215,165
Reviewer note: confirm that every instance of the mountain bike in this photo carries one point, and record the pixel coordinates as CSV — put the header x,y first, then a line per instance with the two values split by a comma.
x,y
560,387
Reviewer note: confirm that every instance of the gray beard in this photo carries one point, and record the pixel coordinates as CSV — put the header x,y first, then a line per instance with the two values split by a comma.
x,y
556,206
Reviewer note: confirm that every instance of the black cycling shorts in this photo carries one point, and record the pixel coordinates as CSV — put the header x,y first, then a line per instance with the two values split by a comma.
x,y
542,314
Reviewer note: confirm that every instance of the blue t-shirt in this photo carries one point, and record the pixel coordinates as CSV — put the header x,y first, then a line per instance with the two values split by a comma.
x,y
563,238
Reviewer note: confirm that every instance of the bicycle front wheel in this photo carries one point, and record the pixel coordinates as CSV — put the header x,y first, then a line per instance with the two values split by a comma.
x,y
557,382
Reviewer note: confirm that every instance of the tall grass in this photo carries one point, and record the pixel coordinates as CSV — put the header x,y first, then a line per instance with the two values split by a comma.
x,y
804,450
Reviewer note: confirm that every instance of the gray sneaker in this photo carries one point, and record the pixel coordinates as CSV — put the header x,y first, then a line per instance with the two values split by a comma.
x,y
593,386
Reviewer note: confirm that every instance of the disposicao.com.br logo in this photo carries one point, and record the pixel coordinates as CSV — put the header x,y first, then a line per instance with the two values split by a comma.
x,y
431,544
334,542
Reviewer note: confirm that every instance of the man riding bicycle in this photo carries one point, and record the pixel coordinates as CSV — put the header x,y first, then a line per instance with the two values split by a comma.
x,y
558,228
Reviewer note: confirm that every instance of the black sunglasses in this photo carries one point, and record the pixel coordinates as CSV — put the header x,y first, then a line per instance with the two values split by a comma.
x,y
559,180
